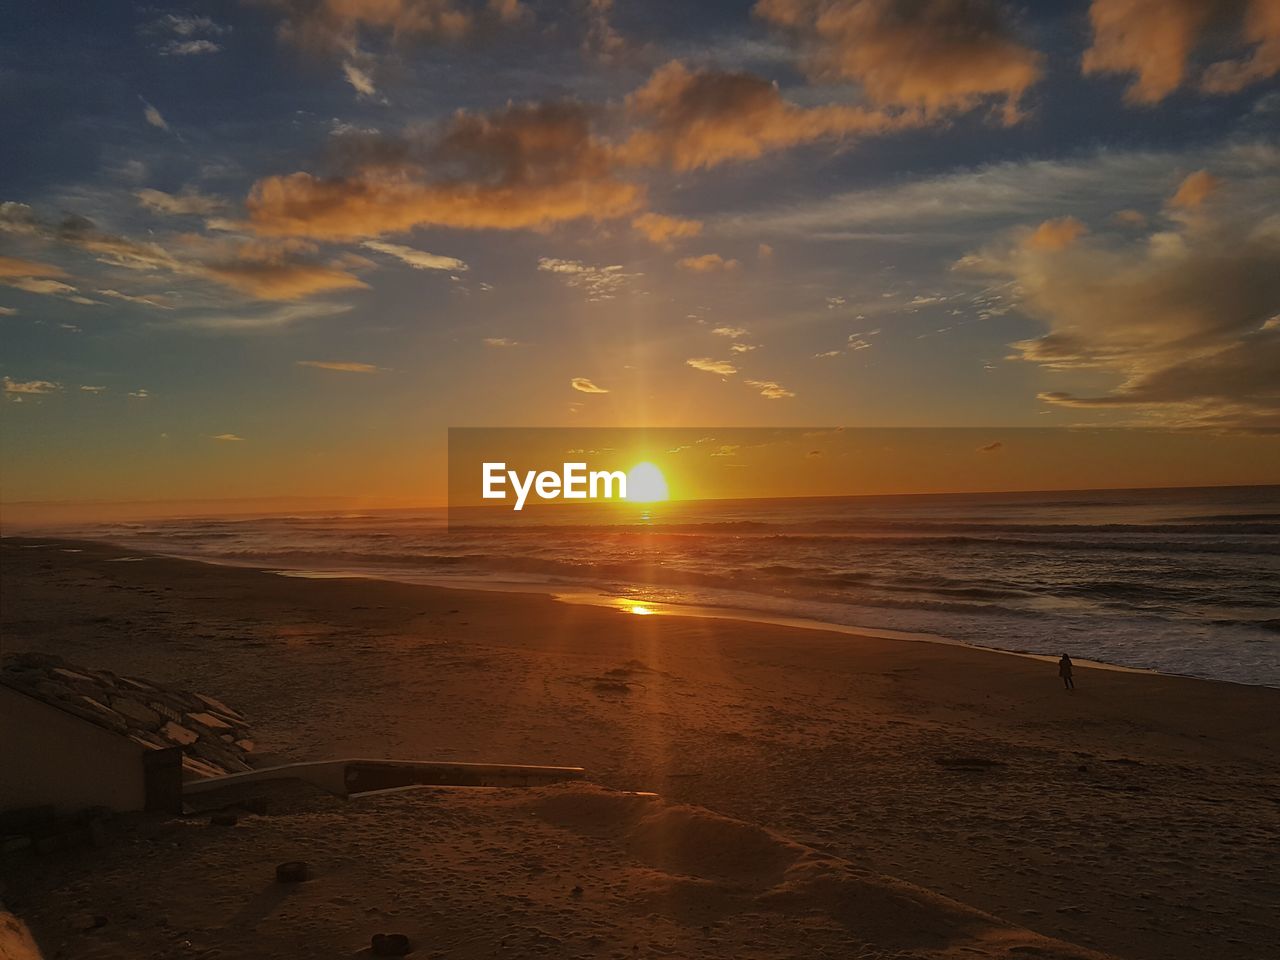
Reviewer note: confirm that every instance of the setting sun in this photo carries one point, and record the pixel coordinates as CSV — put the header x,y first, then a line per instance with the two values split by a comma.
x,y
646,484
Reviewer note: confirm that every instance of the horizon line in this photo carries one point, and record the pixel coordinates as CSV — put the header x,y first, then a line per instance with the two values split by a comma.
x,y
351,504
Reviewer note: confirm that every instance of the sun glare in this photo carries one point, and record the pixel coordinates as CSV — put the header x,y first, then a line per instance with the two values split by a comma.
x,y
646,484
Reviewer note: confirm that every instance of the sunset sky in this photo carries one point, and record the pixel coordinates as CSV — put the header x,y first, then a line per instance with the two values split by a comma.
x,y
277,247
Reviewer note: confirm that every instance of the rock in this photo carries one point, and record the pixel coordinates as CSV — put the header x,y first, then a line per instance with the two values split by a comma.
x,y
84,922
149,740
199,770
209,720
576,893
179,734
390,945
214,737
166,711
295,871
72,677
133,711
96,712
213,703
224,818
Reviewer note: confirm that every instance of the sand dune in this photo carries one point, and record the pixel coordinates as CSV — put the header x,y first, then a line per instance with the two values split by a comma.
x,y
574,871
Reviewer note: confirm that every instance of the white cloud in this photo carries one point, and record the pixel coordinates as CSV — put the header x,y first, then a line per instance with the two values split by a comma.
x,y
185,35
36,285
359,79
30,387
599,283
500,342
1179,317
153,116
272,319
583,385
226,437
187,202
189,48
418,259
721,367
146,301
771,390
1093,187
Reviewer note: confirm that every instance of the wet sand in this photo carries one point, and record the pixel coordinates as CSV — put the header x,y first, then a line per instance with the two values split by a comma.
x,y
1138,816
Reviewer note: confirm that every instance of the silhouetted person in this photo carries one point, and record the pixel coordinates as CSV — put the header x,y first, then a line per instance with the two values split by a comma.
x,y
1064,671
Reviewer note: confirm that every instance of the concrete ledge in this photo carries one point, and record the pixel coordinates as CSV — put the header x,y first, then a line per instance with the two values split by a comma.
x,y
52,757
354,776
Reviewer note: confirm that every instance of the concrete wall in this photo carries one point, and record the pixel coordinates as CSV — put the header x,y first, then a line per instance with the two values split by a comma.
x,y
51,757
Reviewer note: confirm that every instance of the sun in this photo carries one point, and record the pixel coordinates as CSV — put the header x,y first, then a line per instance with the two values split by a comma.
x,y
646,484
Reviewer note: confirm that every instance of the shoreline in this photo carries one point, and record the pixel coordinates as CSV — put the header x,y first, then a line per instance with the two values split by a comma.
x,y
595,596
975,776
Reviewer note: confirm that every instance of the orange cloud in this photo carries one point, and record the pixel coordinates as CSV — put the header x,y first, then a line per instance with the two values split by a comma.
x,y
525,166
1155,41
1130,218
1057,234
707,263
342,366
1195,190
15,267
697,119
662,230
328,24
934,54
266,270
266,280
1262,29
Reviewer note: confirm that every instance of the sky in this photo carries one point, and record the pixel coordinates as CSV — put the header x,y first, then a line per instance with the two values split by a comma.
x,y
276,248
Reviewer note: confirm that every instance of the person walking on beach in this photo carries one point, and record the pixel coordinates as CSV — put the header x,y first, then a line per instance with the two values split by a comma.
x,y
1064,671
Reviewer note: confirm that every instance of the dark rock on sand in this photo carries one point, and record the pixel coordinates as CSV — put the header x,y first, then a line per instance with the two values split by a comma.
x,y
390,945
293,871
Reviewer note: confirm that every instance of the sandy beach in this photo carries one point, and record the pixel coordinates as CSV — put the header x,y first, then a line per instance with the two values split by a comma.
x,y
1137,817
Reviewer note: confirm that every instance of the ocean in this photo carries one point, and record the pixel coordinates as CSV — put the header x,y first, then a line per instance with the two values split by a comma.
x,y
1181,581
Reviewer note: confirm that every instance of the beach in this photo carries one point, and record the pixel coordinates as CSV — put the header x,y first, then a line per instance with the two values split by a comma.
x,y
1137,816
